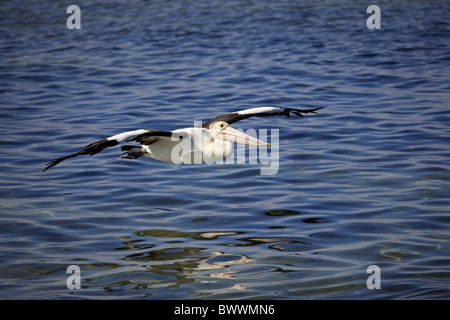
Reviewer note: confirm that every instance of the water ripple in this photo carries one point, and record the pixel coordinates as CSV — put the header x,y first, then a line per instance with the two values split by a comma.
x,y
365,181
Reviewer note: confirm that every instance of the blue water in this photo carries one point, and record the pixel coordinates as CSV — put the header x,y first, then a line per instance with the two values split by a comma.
x,y
364,182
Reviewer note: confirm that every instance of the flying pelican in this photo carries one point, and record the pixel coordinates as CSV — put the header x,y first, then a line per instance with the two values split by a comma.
x,y
213,140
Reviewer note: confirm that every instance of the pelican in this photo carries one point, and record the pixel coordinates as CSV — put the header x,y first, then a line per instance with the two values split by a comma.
x,y
212,140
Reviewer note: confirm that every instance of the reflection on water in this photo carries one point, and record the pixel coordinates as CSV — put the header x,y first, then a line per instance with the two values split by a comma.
x,y
364,182
282,244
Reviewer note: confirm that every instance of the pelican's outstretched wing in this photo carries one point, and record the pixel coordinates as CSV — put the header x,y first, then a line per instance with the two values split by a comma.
x,y
149,136
142,135
259,112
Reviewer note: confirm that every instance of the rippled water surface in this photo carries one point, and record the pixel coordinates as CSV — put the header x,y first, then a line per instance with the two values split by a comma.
x,y
364,182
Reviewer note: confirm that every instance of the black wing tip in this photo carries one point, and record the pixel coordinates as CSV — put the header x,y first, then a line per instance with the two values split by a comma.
x,y
53,163
91,149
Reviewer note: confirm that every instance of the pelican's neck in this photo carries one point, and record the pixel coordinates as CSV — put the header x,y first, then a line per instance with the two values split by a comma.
x,y
214,147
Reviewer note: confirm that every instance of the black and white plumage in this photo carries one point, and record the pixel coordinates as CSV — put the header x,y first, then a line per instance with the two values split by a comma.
x,y
213,140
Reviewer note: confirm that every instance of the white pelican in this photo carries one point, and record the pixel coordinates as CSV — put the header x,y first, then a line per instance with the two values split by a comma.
x,y
213,140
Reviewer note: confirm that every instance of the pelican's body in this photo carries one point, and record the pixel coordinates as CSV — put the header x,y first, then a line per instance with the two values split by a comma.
x,y
213,140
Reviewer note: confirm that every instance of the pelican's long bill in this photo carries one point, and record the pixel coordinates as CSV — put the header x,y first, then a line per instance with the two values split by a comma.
x,y
237,136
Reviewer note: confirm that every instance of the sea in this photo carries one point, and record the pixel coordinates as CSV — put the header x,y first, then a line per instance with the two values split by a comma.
x,y
358,207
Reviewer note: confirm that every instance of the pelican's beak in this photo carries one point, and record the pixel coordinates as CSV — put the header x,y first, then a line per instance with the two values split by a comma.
x,y
237,136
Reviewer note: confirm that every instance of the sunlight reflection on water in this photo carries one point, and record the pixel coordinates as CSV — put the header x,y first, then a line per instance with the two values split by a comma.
x,y
365,181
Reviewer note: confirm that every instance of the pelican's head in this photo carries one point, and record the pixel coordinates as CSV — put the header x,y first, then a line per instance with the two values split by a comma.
x,y
223,131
